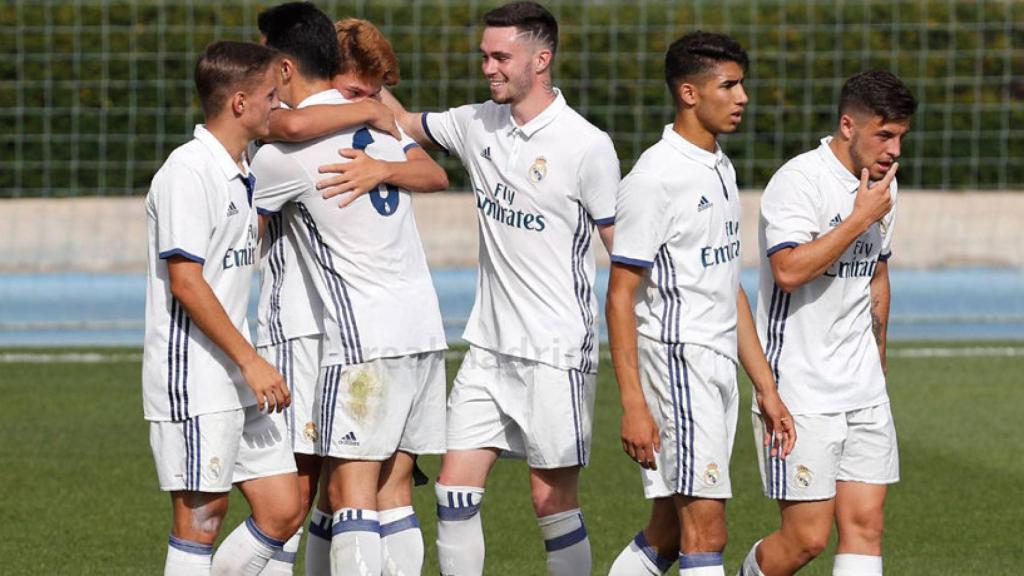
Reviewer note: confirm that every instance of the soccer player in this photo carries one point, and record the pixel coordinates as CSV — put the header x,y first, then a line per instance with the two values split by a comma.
x,y
542,178
675,348
290,314
823,305
208,395
381,383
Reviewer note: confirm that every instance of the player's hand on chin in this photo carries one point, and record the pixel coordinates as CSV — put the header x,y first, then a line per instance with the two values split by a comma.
x,y
780,431
640,438
356,177
267,385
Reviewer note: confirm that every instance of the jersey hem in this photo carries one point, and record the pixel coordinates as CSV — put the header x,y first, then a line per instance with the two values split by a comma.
x,y
186,255
781,246
842,410
426,130
575,365
631,261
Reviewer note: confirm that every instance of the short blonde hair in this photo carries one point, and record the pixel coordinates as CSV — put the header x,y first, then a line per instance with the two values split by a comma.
x,y
365,52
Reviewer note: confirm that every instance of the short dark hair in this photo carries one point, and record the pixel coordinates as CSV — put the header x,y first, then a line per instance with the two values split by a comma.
x,y
302,32
226,67
879,93
697,53
526,17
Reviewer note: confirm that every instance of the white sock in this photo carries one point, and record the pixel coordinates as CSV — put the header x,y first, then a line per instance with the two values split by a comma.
x,y
750,567
701,564
355,545
283,562
187,558
318,544
565,539
460,534
245,551
401,542
640,558
857,565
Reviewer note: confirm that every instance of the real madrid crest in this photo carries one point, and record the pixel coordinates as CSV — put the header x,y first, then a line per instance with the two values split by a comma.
x,y
803,477
213,470
539,169
309,431
712,475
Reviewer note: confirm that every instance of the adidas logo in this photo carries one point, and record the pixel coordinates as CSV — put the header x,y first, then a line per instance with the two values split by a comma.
x,y
836,221
703,204
232,210
486,153
349,440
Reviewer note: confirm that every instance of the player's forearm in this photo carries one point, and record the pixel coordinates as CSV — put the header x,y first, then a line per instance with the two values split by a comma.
x,y
320,120
622,343
207,313
749,348
880,299
794,267
410,122
417,174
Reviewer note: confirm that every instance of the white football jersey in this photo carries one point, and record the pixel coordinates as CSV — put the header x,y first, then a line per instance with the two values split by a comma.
x,y
678,215
288,304
818,339
199,207
539,191
366,261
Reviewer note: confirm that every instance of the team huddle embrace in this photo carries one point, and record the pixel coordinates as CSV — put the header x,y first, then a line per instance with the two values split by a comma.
x,y
305,171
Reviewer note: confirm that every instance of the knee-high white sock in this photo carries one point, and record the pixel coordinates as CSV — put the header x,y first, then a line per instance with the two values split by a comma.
x,y
245,551
460,534
640,558
857,565
355,545
318,544
565,539
187,558
701,564
750,566
401,542
283,562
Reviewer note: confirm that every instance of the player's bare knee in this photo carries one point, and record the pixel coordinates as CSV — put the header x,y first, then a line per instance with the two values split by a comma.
x,y
548,500
810,544
863,528
709,536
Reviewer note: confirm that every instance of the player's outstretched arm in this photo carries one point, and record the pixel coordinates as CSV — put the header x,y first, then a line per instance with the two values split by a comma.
x,y
325,119
794,267
640,437
190,288
411,122
880,309
780,432
363,173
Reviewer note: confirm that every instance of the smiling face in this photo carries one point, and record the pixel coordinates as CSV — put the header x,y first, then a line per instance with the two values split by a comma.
x,y
719,98
509,63
874,142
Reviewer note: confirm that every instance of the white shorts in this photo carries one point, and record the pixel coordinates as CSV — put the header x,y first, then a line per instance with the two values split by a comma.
x,y
855,446
298,360
692,394
525,408
210,452
368,411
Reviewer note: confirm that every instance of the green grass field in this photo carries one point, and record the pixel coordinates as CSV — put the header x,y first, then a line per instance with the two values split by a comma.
x,y
80,495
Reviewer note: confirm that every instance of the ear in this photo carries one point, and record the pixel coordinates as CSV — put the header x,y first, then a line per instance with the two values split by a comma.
x,y
847,125
287,69
542,61
687,93
237,102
